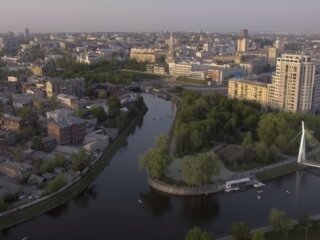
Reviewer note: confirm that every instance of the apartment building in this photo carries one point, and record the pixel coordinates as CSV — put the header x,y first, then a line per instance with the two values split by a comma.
x,y
295,85
248,90
73,86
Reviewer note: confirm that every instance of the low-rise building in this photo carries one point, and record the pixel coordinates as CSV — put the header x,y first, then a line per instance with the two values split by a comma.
x,y
248,90
13,170
11,123
70,131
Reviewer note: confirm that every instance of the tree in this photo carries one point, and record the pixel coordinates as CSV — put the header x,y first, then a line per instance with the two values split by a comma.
x,y
114,105
56,184
27,133
80,161
99,113
17,154
37,143
265,154
156,160
80,113
240,231
280,222
102,94
258,235
200,168
53,102
3,205
197,234
121,120
25,112
248,140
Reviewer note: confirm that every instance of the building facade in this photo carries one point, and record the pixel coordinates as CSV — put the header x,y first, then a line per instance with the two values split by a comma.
x,y
248,90
143,55
294,84
70,131
74,86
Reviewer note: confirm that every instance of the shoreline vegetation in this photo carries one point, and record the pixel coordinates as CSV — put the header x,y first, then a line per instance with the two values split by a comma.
x,y
245,137
42,205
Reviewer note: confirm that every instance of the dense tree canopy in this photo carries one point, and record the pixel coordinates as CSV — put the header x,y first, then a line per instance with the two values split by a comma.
x,y
200,168
197,234
156,160
280,222
240,231
203,119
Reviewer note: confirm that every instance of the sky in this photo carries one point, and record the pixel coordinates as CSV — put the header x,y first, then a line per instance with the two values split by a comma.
x,y
158,15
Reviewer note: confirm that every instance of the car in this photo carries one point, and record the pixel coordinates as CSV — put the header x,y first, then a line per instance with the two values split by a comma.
x,y
30,197
22,197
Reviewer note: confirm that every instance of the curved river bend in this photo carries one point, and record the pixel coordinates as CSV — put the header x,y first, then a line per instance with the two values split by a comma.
x,y
109,208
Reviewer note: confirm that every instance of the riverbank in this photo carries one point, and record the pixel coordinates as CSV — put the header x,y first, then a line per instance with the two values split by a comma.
x,y
43,205
297,233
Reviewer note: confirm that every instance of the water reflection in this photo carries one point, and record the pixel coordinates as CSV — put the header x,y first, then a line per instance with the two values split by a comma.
x,y
84,198
4,233
200,208
59,211
156,202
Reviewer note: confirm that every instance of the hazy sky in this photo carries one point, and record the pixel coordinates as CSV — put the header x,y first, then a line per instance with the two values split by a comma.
x,y
154,15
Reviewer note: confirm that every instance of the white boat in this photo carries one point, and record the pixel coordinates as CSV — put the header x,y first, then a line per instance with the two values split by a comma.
x,y
25,238
231,189
288,192
140,201
259,184
259,197
260,191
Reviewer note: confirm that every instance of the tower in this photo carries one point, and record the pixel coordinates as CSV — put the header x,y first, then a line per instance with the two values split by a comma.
x,y
302,148
27,33
170,57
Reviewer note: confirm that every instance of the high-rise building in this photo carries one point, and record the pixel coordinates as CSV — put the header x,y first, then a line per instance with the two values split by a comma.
x,y
27,33
171,49
294,84
244,33
243,41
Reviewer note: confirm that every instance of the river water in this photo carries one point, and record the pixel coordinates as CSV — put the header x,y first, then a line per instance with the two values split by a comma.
x,y
110,208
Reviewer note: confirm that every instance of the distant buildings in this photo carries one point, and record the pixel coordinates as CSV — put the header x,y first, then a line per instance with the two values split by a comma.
x,y
73,86
243,41
14,124
37,70
143,55
220,75
295,87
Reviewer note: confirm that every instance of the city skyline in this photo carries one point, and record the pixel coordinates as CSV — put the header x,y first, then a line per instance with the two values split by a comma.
x,y
151,15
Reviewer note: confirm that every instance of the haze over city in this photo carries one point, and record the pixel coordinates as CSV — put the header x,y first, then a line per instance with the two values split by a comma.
x,y
154,15
120,119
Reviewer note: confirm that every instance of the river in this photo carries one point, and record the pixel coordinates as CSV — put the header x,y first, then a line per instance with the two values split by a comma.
x,y
110,208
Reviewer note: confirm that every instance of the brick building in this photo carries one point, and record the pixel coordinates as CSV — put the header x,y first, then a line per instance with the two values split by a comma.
x,y
69,131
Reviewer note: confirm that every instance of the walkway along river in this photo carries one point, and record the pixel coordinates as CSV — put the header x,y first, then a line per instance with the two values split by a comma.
x,y
110,207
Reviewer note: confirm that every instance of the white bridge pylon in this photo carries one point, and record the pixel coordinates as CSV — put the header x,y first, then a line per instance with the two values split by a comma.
x,y
313,145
